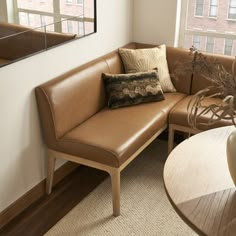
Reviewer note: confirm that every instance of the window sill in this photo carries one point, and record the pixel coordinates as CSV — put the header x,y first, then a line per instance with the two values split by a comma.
x,y
229,19
212,17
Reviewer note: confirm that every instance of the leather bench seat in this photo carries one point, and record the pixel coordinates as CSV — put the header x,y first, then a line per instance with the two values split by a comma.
x,y
171,99
178,115
77,126
111,136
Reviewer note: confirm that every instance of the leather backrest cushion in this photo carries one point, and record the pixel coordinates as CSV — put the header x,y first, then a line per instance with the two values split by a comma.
x,y
200,82
72,98
145,45
130,45
180,81
114,60
114,63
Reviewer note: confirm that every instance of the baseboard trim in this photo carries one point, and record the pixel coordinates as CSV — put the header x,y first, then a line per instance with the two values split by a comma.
x,y
34,194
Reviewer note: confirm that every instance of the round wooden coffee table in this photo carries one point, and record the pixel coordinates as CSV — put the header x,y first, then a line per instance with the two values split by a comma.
x,y
199,185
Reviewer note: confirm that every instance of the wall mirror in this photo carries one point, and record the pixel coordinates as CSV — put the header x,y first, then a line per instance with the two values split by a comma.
x,y
31,26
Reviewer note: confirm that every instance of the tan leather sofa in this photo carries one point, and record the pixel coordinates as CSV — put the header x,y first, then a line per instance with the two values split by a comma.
x,y
77,126
18,41
178,116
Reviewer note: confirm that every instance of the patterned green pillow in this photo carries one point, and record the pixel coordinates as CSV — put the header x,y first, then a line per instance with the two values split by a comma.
x,y
130,89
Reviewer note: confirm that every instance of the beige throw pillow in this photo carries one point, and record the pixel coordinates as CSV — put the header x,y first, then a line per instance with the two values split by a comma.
x,y
142,60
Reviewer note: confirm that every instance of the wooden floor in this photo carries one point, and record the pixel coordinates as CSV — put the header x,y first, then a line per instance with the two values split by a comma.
x,y
42,215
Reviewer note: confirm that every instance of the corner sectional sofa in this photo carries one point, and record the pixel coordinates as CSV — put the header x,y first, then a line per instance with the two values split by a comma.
x,y
78,126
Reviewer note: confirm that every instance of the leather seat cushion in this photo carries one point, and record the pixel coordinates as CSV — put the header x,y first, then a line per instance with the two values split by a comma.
x,y
111,136
171,99
178,114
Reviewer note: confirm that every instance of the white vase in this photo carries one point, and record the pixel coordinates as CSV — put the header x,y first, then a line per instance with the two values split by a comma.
x,y
231,155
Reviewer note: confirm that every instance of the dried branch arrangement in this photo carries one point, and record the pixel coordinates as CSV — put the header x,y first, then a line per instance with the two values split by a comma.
x,y
224,83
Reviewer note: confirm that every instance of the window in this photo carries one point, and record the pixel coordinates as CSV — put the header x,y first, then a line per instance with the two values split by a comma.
x,y
228,47
213,8
232,9
69,1
69,26
210,44
43,20
23,18
199,8
215,34
80,2
81,28
196,41
31,20
38,6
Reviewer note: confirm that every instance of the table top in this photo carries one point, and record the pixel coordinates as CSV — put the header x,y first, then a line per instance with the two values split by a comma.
x,y
198,183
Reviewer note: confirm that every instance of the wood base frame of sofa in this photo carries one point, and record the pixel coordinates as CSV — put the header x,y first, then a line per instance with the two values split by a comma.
x,y
171,133
114,172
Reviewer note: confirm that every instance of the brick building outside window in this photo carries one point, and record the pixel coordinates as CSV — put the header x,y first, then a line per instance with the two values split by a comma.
x,y
210,25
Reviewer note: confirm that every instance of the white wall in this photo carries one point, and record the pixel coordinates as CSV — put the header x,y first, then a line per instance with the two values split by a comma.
x,y
22,151
155,21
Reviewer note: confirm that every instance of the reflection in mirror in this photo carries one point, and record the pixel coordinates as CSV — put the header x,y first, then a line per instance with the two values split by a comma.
x,y
28,27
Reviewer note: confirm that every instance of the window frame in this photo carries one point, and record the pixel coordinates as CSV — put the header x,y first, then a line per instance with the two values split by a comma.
x,y
212,5
80,4
56,14
79,28
228,15
195,9
183,31
196,41
213,43
69,26
69,2
231,46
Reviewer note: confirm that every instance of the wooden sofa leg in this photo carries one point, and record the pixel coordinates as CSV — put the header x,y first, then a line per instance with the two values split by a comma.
x,y
171,134
115,182
50,173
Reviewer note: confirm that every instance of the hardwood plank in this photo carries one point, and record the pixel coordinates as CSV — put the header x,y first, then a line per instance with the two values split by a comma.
x,y
33,195
42,215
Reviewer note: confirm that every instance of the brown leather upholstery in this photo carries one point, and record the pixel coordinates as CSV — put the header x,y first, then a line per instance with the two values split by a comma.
x,y
175,55
76,121
114,63
178,115
111,136
77,126
70,99
199,82
3,61
171,99
21,41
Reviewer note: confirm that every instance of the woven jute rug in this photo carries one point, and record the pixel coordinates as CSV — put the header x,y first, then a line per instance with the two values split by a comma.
x,y
145,209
